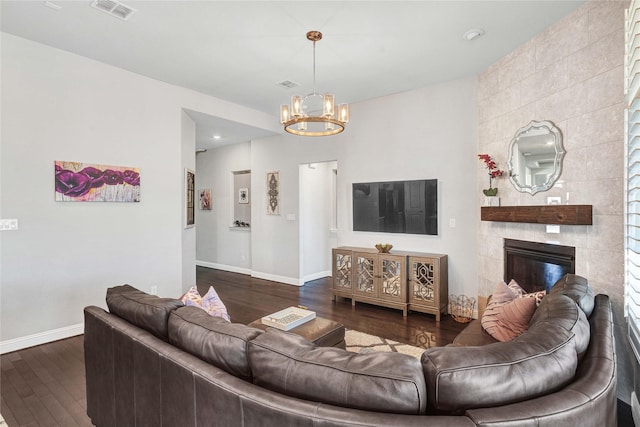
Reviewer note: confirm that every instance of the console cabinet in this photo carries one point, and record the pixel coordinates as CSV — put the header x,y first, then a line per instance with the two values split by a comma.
x,y
402,280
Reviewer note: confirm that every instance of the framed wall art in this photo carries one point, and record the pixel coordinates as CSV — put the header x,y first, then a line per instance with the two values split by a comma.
x,y
243,195
190,196
84,182
205,199
273,193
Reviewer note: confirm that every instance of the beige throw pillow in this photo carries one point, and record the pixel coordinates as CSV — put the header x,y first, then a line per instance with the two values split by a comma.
x,y
507,315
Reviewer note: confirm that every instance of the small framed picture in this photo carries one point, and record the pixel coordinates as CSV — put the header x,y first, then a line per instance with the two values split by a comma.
x,y
205,199
189,202
243,195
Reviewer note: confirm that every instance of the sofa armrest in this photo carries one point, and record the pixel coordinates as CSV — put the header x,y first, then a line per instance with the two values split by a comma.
x,y
588,401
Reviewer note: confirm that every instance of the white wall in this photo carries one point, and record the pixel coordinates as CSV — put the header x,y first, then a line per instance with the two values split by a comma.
x,y
275,242
422,134
219,246
427,133
60,106
188,234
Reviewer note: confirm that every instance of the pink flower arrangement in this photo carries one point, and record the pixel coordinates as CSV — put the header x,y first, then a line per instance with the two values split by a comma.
x,y
491,165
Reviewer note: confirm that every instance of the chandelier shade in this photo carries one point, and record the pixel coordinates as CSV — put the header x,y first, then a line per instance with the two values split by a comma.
x,y
314,114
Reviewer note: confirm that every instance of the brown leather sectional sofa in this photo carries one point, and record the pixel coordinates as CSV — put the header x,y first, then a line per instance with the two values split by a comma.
x,y
152,362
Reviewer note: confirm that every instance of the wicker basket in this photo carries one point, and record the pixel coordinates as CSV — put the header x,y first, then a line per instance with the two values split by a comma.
x,y
461,308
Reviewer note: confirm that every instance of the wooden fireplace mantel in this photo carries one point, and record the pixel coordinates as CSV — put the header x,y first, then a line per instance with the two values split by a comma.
x,y
543,214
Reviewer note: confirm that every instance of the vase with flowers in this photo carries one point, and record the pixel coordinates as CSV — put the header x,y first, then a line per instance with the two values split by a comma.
x,y
494,172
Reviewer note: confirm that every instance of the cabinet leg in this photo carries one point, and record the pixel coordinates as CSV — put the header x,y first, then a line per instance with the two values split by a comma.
x,y
404,312
353,302
437,316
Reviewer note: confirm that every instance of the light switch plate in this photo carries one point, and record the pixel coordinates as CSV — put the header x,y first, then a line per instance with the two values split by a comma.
x,y
553,229
8,224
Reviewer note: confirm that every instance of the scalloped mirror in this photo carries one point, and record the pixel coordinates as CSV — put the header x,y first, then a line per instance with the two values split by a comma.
x,y
535,157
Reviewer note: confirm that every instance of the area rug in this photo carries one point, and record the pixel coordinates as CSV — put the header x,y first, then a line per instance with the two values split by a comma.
x,y
359,342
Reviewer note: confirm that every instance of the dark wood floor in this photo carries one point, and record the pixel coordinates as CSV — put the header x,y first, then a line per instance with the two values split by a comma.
x,y
251,299
45,385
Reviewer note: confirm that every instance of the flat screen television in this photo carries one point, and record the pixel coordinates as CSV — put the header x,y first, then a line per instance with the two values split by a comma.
x,y
396,206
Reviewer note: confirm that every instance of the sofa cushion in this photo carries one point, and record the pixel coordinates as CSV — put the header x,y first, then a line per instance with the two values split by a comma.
x,y
536,363
148,312
473,334
212,339
577,288
558,310
381,382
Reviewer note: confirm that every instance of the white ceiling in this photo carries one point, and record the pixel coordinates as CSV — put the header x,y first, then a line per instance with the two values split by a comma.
x,y
240,50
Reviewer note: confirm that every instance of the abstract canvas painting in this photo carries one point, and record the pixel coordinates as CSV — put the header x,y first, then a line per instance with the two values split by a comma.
x,y
81,182
273,193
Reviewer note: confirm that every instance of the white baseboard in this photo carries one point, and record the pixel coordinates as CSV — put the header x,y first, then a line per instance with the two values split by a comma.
x,y
316,276
275,278
223,267
16,344
256,274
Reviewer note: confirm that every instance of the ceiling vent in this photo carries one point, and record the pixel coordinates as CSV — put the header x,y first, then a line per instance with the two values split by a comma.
x,y
288,84
114,8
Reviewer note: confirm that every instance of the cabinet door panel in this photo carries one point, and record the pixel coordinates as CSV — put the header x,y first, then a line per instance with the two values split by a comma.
x,y
392,278
365,274
342,273
424,281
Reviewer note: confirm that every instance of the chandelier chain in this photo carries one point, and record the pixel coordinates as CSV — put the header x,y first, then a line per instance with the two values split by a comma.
x,y
314,67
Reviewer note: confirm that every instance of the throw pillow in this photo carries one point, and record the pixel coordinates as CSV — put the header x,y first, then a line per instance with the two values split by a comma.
x,y
507,315
210,302
517,289
192,295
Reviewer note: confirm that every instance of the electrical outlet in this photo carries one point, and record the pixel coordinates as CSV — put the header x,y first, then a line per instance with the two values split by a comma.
x,y
154,290
8,224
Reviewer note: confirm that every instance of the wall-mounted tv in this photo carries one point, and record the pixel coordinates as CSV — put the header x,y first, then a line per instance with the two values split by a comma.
x,y
396,206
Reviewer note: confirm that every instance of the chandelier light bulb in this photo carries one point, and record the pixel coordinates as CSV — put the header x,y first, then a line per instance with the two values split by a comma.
x,y
343,114
328,105
296,106
284,114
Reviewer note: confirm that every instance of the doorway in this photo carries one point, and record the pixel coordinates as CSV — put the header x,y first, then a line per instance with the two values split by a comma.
x,y
318,218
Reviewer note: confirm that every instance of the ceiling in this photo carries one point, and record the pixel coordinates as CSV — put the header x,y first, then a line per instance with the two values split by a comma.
x,y
239,51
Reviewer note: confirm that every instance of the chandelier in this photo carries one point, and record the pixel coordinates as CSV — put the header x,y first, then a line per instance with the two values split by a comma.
x,y
314,114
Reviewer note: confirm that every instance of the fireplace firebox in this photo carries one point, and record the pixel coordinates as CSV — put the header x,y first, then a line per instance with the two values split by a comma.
x,y
537,266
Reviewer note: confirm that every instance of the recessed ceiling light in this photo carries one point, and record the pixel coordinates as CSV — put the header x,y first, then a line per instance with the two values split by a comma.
x,y
216,137
473,33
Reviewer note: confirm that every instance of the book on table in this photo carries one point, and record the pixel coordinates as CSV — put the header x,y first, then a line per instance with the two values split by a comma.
x,y
288,318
